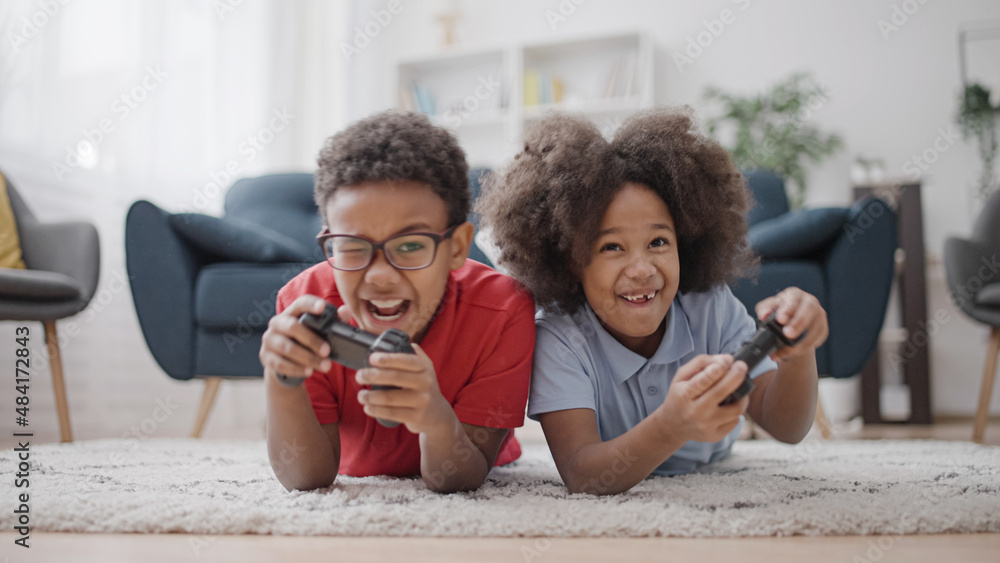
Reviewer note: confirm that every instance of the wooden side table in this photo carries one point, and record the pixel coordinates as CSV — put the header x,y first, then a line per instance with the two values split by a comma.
x,y
904,198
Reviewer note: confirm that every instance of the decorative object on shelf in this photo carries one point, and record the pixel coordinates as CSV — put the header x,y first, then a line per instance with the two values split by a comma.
x,y
866,170
449,16
772,130
977,118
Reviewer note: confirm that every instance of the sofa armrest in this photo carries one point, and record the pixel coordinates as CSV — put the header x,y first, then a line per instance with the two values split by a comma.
x,y
71,248
859,270
162,270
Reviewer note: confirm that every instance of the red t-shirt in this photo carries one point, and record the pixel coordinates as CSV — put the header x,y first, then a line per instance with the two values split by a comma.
x,y
481,344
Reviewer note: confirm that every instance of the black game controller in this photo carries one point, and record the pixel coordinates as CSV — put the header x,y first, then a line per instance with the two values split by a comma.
x,y
350,346
765,341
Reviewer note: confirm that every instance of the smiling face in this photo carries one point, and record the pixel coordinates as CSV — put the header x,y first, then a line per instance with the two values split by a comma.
x,y
634,269
380,296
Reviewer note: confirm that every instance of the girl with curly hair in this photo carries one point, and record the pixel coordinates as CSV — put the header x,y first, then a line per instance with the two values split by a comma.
x,y
628,245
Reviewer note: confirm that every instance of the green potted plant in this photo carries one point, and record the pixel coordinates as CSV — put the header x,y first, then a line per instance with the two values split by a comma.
x,y
977,119
772,130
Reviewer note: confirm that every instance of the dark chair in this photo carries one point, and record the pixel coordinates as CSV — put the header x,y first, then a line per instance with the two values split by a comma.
x,y
971,269
63,263
842,255
205,287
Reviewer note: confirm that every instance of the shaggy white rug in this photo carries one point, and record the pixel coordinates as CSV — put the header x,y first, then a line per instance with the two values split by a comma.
x,y
764,489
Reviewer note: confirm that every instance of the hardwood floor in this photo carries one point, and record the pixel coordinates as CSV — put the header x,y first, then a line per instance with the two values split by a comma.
x,y
83,548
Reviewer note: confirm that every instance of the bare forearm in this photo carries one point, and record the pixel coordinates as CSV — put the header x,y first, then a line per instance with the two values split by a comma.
x,y
300,451
606,468
450,461
789,403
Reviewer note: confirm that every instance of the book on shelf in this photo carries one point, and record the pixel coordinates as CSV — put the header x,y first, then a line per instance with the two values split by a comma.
x,y
621,77
417,98
542,87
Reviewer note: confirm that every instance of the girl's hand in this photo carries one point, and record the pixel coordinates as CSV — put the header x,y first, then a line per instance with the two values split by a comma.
x,y
798,312
691,410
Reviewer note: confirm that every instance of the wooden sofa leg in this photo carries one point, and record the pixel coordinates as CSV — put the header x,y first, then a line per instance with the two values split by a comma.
x,y
822,422
986,391
58,385
207,400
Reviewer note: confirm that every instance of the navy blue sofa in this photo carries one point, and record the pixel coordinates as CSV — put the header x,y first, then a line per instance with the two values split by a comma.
x,y
842,255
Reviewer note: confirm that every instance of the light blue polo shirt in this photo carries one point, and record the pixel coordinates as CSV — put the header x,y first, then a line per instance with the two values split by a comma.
x,y
579,365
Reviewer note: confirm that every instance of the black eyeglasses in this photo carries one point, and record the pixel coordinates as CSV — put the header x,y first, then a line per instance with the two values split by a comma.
x,y
408,251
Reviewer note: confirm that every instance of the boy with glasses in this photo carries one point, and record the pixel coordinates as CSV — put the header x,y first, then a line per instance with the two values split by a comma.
x,y
394,195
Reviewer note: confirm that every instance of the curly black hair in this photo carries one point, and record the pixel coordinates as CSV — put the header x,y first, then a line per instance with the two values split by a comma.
x,y
396,145
545,208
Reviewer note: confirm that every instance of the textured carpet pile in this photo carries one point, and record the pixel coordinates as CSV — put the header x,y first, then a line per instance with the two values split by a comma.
x,y
764,489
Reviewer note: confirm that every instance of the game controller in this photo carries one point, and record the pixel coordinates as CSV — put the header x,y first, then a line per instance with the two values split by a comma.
x,y
767,340
350,346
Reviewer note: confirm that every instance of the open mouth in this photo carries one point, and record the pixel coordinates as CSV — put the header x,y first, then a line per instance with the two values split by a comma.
x,y
639,298
387,310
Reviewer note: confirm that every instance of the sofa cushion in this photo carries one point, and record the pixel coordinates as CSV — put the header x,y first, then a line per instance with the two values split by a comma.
x,y
237,240
37,285
239,297
10,245
989,295
797,234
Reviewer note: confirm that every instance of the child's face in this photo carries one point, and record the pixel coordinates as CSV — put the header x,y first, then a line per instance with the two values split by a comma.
x,y
634,270
381,296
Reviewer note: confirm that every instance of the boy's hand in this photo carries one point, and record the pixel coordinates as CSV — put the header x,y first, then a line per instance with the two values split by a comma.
x,y
418,403
798,312
291,348
691,410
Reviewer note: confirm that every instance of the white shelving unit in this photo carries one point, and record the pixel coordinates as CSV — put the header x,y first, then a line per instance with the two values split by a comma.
x,y
490,96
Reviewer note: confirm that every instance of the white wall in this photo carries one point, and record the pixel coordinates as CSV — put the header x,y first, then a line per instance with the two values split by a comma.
x,y
890,95
227,70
